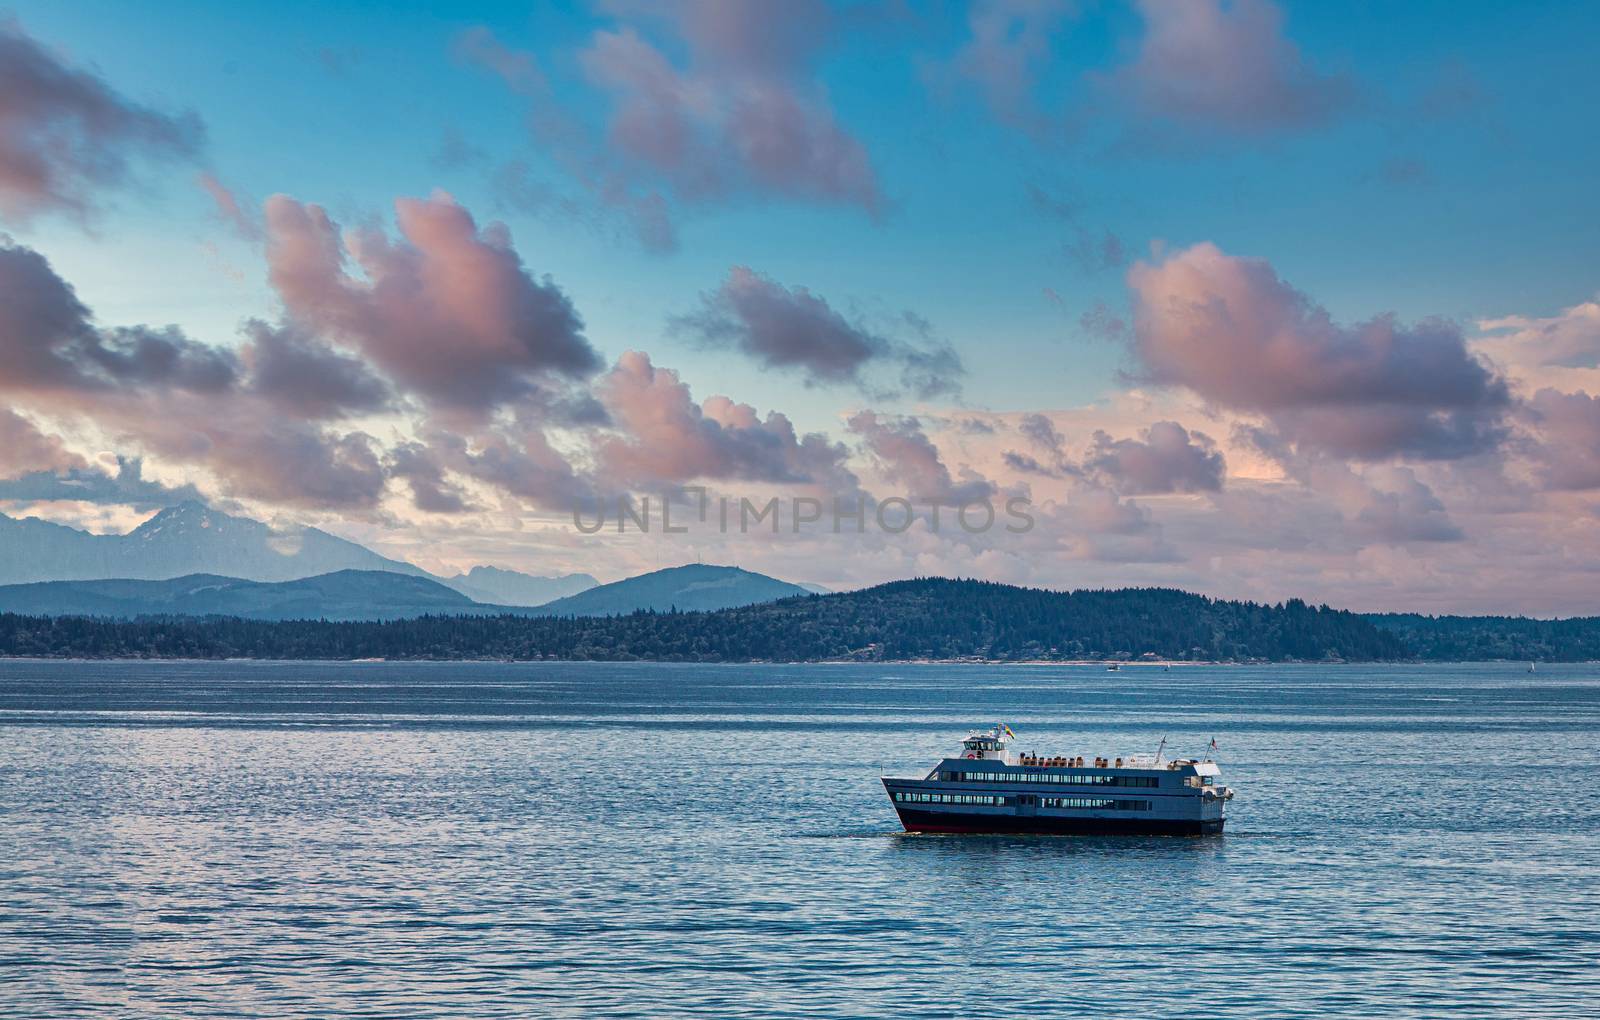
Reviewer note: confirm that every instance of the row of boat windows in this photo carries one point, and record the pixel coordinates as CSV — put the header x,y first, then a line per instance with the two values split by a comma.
x,y
1096,802
1099,803
1073,778
948,798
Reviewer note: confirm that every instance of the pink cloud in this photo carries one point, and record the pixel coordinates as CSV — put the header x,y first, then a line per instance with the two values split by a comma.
x,y
1233,332
739,121
1215,65
794,328
1568,450
664,436
157,390
65,134
229,209
1570,339
49,341
1166,458
909,459
1008,48
448,310
733,110
25,449
306,377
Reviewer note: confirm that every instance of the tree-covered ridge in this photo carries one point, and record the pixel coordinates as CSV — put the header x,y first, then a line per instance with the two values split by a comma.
x,y
1488,638
929,618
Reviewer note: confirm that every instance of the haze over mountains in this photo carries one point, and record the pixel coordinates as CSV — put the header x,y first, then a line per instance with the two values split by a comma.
x,y
513,588
191,538
190,560
185,539
342,595
378,595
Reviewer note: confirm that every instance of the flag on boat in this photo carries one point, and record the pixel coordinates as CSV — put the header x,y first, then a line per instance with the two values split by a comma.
x,y
1003,726
1213,743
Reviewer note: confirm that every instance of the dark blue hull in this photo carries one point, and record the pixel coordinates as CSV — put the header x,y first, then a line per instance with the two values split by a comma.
x,y
952,821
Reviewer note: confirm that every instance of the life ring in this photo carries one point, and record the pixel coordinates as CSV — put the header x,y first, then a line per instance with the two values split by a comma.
x,y
971,754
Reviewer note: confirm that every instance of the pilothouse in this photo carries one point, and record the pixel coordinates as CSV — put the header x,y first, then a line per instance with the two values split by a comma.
x,y
991,788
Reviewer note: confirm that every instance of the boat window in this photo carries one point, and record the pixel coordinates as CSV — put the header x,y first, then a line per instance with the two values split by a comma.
x,y
1060,778
918,797
1100,803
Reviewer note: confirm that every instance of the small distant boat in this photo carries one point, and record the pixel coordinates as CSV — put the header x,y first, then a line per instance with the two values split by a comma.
x,y
1530,667
1113,668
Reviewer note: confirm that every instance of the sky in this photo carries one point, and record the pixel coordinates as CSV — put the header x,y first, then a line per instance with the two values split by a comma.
x,y
1257,299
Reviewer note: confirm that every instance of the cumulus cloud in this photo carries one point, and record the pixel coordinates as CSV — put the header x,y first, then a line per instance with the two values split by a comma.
x,y
1166,458
1398,508
1007,49
1220,66
424,473
908,458
517,459
49,342
1051,461
665,437
254,449
1568,340
1386,504
66,135
1568,447
158,390
740,115
448,310
733,110
1098,524
1230,330
297,372
24,449
793,328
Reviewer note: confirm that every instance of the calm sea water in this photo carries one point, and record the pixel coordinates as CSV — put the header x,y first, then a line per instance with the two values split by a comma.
x,y
595,840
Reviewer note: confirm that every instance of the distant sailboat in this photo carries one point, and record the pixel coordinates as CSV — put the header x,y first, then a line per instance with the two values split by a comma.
x,y
1530,667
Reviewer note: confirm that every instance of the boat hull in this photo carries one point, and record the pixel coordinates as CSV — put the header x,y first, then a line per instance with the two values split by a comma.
x,y
1054,825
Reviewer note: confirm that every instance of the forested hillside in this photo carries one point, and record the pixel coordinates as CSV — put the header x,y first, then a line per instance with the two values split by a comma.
x,y
1476,638
918,619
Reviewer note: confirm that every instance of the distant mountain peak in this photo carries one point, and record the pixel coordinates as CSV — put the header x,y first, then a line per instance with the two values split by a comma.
x,y
183,517
688,586
515,588
185,538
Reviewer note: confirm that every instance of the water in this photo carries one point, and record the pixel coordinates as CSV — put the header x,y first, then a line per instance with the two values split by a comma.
x,y
597,840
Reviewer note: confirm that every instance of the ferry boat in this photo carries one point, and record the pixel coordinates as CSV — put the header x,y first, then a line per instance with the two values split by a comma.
x,y
991,788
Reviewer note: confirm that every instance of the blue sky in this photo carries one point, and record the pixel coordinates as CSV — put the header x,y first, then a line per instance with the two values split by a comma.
x,y
1454,178
348,105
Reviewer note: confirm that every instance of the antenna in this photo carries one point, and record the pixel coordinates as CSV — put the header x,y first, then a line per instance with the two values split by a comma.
x,y
1161,747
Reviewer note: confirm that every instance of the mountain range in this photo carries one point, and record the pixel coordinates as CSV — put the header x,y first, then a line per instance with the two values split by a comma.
x,y
191,538
378,595
342,595
191,560
514,588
